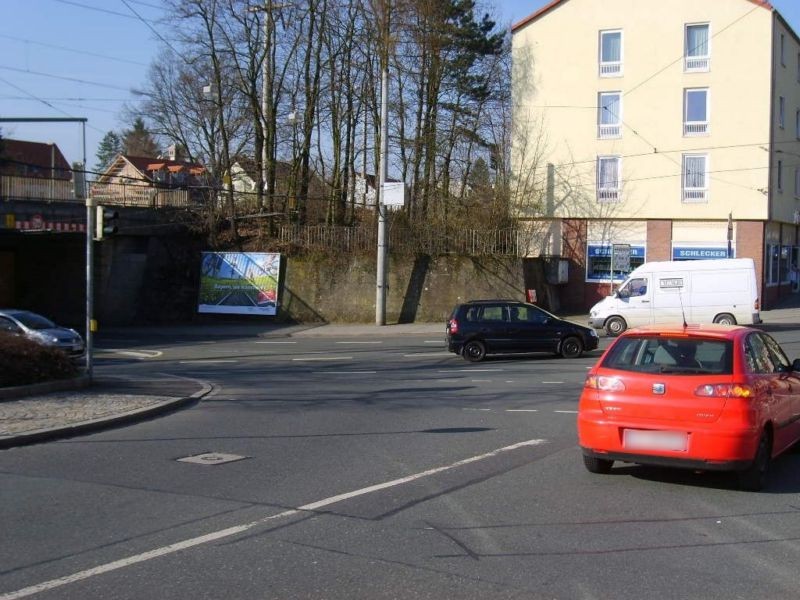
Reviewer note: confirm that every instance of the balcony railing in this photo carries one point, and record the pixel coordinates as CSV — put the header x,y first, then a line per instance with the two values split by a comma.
x,y
36,188
610,69
696,64
694,195
121,194
606,131
695,128
607,194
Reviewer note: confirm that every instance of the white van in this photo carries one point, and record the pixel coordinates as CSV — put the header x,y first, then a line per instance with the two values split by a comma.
x,y
694,291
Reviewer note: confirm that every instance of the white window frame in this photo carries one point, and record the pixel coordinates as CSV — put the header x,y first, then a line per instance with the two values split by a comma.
x,y
610,68
696,128
696,63
609,130
605,194
694,195
781,112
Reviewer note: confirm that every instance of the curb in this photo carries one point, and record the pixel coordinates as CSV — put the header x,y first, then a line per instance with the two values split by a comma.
x,y
58,385
141,414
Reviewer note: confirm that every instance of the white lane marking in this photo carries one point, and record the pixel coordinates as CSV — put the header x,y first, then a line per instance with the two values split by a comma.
x,y
319,358
202,361
140,354
470,370
522,410
416,354
231,531
479,409
345,372
433,342
558,382
481,381
379,342
276,342
566,412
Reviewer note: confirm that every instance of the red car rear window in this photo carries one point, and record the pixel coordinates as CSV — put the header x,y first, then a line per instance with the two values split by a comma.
x,y
671,355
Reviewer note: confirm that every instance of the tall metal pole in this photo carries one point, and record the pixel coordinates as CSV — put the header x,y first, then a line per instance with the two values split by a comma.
x,y
90,210
383,246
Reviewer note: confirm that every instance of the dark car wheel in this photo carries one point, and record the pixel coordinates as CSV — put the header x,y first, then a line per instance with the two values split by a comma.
x,y
754,477
593,464
474,351
571,347
615,326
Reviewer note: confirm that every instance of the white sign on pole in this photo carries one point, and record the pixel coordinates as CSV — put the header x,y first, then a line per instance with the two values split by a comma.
x,y
394,193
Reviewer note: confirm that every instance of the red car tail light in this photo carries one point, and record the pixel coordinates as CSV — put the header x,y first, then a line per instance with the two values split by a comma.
x,y
453,326
724,390
604,384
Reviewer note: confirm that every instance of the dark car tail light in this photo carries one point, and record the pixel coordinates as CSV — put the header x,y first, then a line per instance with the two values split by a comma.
x,y
604,384
452,326
724,390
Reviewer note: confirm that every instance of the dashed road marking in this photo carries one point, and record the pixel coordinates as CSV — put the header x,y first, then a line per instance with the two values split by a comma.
x,y
321,358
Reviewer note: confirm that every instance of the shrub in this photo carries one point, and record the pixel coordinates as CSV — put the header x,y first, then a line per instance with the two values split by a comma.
x,y
23,361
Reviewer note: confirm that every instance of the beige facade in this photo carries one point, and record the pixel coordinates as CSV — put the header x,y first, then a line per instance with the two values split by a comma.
x,y
663,111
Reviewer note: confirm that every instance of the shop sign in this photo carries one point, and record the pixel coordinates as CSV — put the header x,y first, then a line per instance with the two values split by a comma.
x,y
700,253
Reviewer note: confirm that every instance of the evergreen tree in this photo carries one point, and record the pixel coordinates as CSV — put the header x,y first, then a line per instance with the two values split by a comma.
x,y
138,141
107,151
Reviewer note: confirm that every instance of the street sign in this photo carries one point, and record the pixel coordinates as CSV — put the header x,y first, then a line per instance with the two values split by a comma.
x,y
621,256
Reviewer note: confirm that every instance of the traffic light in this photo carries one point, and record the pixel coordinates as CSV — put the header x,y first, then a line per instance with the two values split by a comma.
x,y
106,222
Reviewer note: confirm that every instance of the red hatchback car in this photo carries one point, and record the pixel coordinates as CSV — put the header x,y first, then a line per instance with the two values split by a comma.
x,y
710,397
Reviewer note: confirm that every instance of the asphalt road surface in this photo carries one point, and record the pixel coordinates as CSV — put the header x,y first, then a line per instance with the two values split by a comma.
x,y
375,467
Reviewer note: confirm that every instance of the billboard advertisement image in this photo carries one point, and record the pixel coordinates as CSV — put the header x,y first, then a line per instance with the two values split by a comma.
x,y
240,283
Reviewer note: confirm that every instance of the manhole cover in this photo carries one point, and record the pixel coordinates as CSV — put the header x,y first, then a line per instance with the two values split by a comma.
x,y
212,458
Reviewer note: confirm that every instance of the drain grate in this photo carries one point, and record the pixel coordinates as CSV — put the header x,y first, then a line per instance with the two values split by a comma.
x,y
212,458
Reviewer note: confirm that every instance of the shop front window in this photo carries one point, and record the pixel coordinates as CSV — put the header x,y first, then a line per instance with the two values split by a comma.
x,y
598,263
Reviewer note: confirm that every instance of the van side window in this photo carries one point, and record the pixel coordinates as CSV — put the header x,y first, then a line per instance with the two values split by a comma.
x,y
638,287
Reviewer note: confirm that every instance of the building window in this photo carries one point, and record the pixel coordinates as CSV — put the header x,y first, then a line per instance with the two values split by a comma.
x,y
797,124
784,261
797,182
695,111
609,119
780,176
782,112
697,48
798,67
773,263
695,178
611,53
783,50
598,262
608,172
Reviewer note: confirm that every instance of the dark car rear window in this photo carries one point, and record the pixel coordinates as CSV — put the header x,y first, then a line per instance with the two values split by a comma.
x,y
665,354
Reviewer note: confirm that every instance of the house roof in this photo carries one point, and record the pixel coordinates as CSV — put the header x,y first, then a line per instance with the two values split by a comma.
x,y
146,165
554,3
33,159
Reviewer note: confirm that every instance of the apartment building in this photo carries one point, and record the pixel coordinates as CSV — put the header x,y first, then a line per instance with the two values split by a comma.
x,y
667,127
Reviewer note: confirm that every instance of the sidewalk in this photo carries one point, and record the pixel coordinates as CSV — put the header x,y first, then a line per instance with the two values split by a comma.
x,y
46,412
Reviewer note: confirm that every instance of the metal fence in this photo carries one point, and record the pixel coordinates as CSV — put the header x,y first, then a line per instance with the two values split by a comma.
x,y
403,240
37,189
121,194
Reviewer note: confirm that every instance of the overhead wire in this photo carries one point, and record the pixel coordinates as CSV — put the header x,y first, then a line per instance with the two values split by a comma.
x,y
74,50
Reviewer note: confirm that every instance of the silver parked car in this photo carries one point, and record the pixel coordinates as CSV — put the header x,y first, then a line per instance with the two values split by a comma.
x,y
40,329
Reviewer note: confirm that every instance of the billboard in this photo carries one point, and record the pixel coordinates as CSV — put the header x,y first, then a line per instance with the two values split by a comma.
x,y
239,283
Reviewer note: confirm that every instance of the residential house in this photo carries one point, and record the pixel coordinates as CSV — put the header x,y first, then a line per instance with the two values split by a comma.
x,y
34,171
669,127
151,182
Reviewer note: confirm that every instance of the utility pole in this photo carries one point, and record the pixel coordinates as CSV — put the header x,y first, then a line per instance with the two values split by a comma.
x,y
383,244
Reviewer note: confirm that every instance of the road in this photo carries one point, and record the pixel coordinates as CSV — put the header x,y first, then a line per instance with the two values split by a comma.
x,y
374,467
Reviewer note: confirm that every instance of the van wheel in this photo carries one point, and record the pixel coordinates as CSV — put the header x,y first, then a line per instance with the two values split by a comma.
x,y
474,351
725,319
615,326
754,477
571,348
593,464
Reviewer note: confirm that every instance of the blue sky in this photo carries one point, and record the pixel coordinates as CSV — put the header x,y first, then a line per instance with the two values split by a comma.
x,y
85,58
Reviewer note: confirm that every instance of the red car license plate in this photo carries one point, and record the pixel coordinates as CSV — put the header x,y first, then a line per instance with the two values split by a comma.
x,y
638,439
